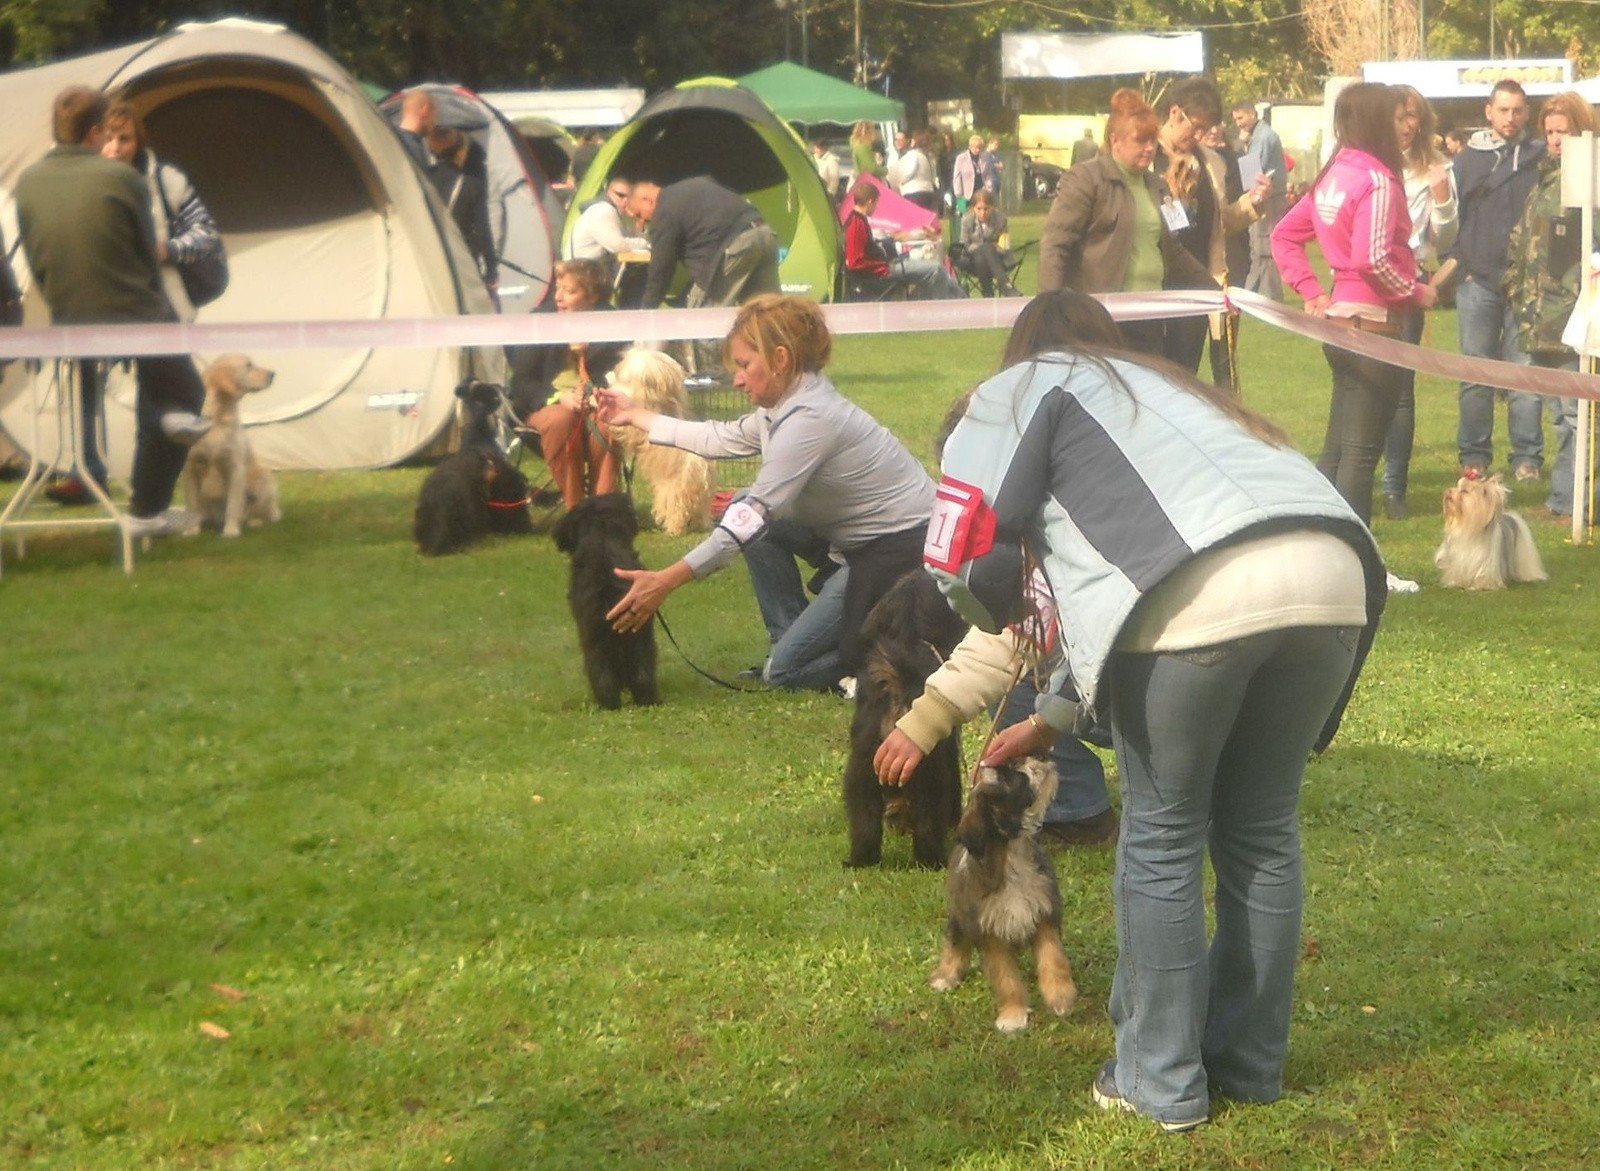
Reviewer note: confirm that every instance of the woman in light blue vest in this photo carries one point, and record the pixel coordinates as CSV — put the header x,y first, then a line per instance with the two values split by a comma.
x,y
1215,599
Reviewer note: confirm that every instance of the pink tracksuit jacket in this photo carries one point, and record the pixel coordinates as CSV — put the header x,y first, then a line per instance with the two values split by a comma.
x,y
1357,212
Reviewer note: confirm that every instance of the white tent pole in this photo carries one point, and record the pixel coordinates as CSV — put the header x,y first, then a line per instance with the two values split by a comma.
x,y
1583,438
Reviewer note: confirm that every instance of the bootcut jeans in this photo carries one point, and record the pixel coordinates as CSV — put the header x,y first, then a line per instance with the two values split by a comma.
x,y
1211,747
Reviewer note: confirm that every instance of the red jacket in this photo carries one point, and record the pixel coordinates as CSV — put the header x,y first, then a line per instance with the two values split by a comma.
x,y
863,254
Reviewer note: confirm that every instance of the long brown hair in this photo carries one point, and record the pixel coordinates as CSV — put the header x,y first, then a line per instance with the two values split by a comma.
x,y
1423,154
1363,119
1068,325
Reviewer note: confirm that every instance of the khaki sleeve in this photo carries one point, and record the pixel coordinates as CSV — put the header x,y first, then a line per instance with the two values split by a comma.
x,y
1064,227
978,673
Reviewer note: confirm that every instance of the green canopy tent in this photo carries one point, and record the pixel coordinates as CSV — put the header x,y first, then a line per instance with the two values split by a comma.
x,y
712,126
803,95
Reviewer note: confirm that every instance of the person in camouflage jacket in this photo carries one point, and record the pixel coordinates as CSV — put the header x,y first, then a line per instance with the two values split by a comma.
x,y
1543,278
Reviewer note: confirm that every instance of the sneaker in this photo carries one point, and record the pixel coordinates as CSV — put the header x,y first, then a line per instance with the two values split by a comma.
x,y
1402,585
68,490
175,522
756,674
1099,830
184,428
846,687
1108,1097
1396,508
1526,474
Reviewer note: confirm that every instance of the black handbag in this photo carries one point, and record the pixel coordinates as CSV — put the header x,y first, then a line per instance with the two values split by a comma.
x,y
204,278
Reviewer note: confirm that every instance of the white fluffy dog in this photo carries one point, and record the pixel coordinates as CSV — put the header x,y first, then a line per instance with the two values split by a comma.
x,y
681,483
222,480
1486,546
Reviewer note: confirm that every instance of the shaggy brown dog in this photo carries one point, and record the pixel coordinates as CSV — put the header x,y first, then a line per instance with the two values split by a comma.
x,y
598,534
908,634
1002,896
223,482
681,483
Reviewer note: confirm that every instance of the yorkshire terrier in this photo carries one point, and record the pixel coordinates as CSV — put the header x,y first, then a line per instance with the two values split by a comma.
x,y
681,483
1485,546
1002,895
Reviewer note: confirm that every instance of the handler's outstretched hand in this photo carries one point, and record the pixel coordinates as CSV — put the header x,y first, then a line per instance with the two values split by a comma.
x,y
617,409
647,589
896,759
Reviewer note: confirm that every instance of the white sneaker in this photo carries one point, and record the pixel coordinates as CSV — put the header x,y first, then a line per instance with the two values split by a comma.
x,y
175,522
1401,585
847,687
184,428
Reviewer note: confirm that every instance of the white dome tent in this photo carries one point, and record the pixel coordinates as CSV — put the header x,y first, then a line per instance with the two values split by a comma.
x,y
324,216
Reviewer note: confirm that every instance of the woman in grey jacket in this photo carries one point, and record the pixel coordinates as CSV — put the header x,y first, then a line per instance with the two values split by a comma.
x,y
1215,597
826,465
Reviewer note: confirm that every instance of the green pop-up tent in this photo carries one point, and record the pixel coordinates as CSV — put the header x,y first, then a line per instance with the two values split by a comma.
x,y
803,95
712,126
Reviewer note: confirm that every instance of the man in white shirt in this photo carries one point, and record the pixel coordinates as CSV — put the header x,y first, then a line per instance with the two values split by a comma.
x,y
601,233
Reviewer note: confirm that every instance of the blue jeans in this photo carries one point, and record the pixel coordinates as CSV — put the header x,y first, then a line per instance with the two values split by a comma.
x,y
1489,331
91,386
1564,416
804,634
1081,786
925,280
1402,431
1211,748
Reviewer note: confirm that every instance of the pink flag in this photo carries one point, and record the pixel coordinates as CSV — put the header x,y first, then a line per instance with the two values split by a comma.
x,y
894,214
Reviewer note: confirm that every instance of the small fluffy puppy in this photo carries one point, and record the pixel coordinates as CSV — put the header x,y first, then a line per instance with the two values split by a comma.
x,y
908,634
681,483
1485,546
598,535
475,491
1002,895
223,482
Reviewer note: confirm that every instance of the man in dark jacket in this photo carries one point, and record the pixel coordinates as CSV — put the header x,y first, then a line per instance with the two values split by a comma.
x,y
730,251
1494,175
458,173
91,246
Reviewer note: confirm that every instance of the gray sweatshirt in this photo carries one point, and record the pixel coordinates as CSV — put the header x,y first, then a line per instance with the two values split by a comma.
x,y
825,463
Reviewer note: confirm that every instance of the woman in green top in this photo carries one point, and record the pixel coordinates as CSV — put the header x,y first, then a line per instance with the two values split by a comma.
x,y
863,151
1106,232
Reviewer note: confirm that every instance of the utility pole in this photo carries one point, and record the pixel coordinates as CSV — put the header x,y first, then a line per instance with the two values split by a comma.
x,y
805,33
861,67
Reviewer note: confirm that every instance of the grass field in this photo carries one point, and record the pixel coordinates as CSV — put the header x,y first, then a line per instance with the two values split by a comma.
x,y
354,808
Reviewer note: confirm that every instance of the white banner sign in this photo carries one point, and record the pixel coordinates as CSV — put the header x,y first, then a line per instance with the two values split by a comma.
x,y
1068,55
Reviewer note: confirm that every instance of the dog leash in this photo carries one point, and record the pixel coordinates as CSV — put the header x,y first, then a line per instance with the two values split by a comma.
x,y
704,674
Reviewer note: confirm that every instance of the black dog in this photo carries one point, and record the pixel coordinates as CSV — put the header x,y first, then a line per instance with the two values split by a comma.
x,y
908,634
475,491
598,534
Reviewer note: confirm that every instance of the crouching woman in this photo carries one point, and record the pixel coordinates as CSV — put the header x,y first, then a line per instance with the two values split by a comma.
x,y
826,465
1215,597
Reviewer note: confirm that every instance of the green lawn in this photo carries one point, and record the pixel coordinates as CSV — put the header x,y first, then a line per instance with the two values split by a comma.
x,y
477,923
